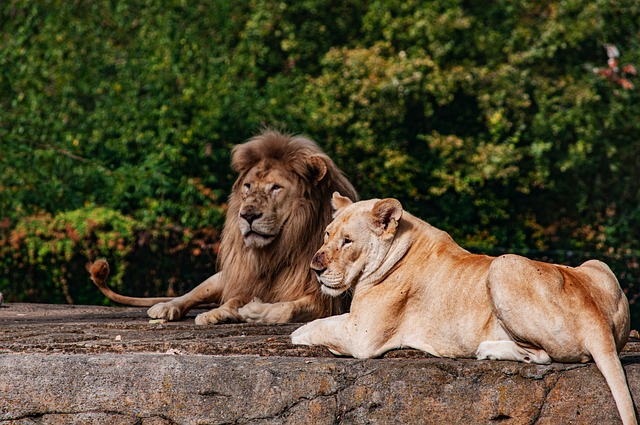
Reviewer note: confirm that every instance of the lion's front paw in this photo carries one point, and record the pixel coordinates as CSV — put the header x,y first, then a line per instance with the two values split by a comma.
x,y
208,318
258,312
166,311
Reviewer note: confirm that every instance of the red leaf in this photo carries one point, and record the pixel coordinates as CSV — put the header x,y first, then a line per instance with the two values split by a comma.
x,y
626,84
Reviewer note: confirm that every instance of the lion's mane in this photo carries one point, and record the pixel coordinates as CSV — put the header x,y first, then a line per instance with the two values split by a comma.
x,y
281,271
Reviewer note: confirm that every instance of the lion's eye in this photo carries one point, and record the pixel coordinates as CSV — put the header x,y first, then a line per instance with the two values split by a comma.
x,y
275,188
246,188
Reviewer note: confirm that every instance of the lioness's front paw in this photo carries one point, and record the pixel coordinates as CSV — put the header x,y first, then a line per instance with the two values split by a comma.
x,y
301,336
166,311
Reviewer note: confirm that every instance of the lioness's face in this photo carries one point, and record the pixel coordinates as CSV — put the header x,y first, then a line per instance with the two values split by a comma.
x,y
335,263
268,196
355,242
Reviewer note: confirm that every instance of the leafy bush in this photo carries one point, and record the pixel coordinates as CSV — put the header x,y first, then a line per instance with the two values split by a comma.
x,y
45,258
49,249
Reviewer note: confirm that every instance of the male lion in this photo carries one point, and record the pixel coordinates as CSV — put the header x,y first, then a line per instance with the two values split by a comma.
x,y
278,209
415,287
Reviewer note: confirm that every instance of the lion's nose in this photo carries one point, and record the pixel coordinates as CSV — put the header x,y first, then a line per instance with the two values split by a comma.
x,y
250,217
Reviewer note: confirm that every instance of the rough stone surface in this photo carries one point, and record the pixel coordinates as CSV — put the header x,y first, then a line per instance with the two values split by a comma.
x,y
106,365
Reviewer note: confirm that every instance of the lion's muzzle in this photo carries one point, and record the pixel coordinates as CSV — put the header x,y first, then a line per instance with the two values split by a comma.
x,y
250,217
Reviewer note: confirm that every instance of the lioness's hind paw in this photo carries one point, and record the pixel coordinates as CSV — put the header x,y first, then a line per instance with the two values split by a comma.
x,y
509,350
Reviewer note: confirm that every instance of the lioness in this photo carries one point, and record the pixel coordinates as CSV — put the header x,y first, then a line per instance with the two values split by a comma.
x,y
278,208
415,287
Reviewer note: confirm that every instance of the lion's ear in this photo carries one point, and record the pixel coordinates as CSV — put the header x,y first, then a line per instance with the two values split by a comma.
x,y
339,202
317,168
386,215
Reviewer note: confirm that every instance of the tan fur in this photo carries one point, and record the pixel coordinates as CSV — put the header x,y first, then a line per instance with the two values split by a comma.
x,y
278,209
415,287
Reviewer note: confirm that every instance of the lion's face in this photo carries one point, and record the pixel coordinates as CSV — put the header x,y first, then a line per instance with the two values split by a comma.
x,y
268,197
356,242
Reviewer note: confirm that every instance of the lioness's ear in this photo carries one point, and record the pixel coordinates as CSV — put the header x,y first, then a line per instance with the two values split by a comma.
x,y
387,214
339,202
317,168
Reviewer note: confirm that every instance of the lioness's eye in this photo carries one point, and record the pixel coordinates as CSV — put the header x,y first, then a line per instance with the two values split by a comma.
x,y
346,241
326,237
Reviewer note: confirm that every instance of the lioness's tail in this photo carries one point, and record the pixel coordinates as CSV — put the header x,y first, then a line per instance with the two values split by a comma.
x,y
606,357
99,272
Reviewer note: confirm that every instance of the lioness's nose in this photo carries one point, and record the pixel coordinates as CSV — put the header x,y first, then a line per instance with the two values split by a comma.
x,y
250,217
318,264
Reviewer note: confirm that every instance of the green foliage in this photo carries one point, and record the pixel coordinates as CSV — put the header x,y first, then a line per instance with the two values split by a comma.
x,y
491,122
501,122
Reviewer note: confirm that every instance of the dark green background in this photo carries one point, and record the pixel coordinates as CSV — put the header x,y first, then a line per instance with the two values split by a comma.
x,y
492,121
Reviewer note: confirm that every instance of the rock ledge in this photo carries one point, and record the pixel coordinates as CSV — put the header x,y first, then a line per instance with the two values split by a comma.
x,y
109,365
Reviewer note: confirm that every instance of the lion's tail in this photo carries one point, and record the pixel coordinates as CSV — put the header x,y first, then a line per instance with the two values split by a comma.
x,y
99,273
606,357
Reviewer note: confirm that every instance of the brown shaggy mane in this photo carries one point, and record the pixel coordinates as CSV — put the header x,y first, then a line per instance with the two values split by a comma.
x,y
281,272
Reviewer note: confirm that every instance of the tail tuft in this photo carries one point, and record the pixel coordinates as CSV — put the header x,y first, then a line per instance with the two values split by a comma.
x,y
99,271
